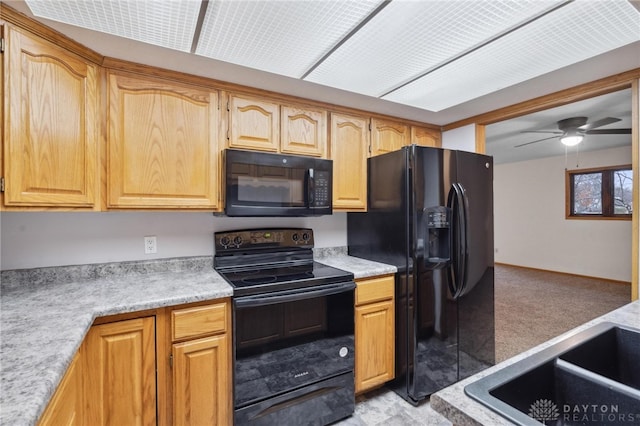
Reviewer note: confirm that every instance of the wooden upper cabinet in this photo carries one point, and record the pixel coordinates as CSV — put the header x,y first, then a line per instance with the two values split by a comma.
x,y
304,131
387,136
51,125
253,124
425,136
349,144
162,144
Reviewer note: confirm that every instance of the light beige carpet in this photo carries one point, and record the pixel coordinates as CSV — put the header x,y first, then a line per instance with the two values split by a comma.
x,y
534,306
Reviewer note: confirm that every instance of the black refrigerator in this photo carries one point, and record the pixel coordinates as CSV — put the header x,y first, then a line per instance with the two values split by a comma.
x,y
430,213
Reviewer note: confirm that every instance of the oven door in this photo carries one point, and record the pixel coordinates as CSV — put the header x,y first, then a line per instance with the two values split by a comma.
x,y
294,355
265,184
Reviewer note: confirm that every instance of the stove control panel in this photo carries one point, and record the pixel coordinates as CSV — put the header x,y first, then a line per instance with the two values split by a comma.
x,y
255,239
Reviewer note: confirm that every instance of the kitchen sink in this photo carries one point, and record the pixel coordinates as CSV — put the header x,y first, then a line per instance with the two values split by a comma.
x,y
592,377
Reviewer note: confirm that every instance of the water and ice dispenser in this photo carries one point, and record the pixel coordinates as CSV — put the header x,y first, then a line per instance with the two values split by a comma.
x,y
438,233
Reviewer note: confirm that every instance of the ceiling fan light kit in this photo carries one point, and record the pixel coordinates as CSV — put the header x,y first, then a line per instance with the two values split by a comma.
x,y
571,139
571,131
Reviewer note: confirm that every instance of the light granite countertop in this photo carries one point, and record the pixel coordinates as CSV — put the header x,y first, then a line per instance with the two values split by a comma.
x,y
360,268
462,410
45,314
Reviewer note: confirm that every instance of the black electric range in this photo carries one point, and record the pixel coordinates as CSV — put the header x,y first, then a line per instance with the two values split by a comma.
x,y
293,328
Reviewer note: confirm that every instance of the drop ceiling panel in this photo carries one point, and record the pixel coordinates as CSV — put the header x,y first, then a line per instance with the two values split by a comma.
x,y
282,37
169,24
578,31
409,37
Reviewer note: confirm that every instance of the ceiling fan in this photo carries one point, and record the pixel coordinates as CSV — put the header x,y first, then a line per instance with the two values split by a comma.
x,y
572,130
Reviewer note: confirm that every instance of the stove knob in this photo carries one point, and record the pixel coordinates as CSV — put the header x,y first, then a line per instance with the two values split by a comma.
x,y
305,236
237,240
295,237
225,241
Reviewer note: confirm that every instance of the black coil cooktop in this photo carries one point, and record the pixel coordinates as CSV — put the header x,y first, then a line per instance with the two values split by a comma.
x,y
267,260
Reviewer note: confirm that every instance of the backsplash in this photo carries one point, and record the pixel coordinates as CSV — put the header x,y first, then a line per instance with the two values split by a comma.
x,y
88,272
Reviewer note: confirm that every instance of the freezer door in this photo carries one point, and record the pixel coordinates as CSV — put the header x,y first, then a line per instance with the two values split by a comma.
x,y
432,342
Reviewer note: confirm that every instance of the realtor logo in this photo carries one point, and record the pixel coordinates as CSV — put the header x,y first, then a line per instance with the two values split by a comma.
x,y
544,411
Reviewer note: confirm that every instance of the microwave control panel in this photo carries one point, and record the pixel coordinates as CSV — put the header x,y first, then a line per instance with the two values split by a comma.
x,y
321,190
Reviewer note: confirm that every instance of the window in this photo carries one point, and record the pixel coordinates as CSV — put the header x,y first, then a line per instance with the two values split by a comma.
x,y
602,193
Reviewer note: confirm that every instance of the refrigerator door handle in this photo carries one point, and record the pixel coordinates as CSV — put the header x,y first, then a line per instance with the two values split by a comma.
x,y
460,243
454,272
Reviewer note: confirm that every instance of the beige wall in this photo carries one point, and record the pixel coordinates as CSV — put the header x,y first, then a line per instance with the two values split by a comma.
x,y
30,240
530,225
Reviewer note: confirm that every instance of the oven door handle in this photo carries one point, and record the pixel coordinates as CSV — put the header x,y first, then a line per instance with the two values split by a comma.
x,y
293,295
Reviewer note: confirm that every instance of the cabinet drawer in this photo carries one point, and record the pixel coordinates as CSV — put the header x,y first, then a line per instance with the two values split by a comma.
x,y
374,289
198,321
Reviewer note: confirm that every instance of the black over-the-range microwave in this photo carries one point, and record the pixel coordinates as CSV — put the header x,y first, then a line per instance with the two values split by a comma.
x,y
266,184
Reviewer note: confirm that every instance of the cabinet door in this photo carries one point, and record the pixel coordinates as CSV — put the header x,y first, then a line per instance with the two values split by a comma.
x,y
349,144
65,407
253,124
425,136
120,376
51,125
162,144
387,136
374,336
201,382
304,131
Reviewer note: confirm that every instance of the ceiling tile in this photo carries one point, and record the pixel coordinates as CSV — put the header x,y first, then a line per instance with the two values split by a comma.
x,y
164,23
576,32
282,37
409,37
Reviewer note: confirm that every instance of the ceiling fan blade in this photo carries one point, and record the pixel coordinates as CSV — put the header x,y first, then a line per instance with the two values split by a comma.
x,y
609,132
541,131
536,141
599,123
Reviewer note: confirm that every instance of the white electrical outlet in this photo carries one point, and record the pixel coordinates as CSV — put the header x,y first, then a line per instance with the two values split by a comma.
x,y
150,245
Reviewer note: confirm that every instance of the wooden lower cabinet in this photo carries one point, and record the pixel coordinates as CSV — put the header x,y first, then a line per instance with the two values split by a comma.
x,y
111,380
120,373
135,371
201,358
374,332
65,408
201,379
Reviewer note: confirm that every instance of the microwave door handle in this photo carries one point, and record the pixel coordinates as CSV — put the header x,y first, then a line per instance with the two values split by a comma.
x,y
311,188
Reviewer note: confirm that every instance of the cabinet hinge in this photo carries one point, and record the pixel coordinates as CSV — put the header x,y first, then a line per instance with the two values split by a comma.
x,y
1,184
171,361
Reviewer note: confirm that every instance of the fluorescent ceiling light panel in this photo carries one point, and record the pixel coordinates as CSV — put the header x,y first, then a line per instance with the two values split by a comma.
x,y
574,33
408,38
282,37
169,24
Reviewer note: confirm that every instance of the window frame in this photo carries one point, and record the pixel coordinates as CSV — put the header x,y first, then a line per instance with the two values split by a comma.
x,y
607,195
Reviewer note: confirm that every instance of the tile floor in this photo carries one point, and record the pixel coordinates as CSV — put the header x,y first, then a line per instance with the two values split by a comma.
x,y
384,407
